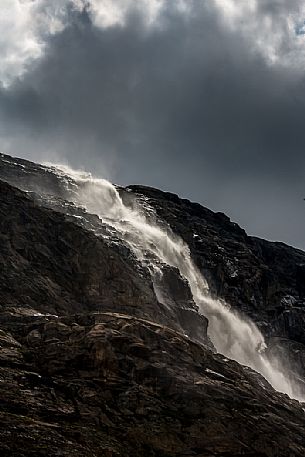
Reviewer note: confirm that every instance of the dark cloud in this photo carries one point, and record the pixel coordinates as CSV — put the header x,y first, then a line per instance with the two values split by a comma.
x,y
189,105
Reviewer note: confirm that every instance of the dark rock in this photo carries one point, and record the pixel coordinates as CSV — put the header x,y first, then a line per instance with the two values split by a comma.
x,y
95,360
77,270
49,265
124,386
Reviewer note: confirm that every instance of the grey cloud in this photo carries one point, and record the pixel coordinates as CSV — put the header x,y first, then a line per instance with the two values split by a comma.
x,y
189,106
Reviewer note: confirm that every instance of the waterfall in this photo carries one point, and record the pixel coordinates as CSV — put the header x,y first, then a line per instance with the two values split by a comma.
x,y
234,336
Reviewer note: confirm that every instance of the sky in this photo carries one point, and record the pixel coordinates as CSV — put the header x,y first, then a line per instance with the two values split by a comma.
x,y
203,98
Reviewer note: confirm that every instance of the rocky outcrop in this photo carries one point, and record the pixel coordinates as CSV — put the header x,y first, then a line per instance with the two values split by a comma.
x,y
105,384
262,279
95,360
56,267
97,271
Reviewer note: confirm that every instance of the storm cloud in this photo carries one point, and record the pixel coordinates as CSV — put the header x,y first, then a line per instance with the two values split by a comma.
x,y
205,99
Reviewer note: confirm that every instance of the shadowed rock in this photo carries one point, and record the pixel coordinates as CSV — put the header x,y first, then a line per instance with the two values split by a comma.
x,y
114,385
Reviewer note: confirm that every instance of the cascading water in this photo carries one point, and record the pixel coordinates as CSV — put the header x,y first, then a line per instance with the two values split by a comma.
x,y
233,336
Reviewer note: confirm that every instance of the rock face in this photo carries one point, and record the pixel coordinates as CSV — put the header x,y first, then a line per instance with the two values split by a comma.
x,y
105,384
53,266
75,266
92,360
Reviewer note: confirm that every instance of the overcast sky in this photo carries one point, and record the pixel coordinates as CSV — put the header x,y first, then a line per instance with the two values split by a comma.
x,y
205,98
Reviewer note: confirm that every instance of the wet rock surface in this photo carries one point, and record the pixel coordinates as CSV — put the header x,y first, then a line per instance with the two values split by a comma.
x,y
95,360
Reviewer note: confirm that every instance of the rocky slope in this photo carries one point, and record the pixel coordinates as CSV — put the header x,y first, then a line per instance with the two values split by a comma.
x,y
104,384
51,265
262,279
93,364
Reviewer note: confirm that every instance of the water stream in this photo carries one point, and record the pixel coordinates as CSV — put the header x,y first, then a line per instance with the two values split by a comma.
x,y
232,335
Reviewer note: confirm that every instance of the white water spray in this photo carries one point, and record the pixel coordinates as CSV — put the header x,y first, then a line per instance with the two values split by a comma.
x,y
235,337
